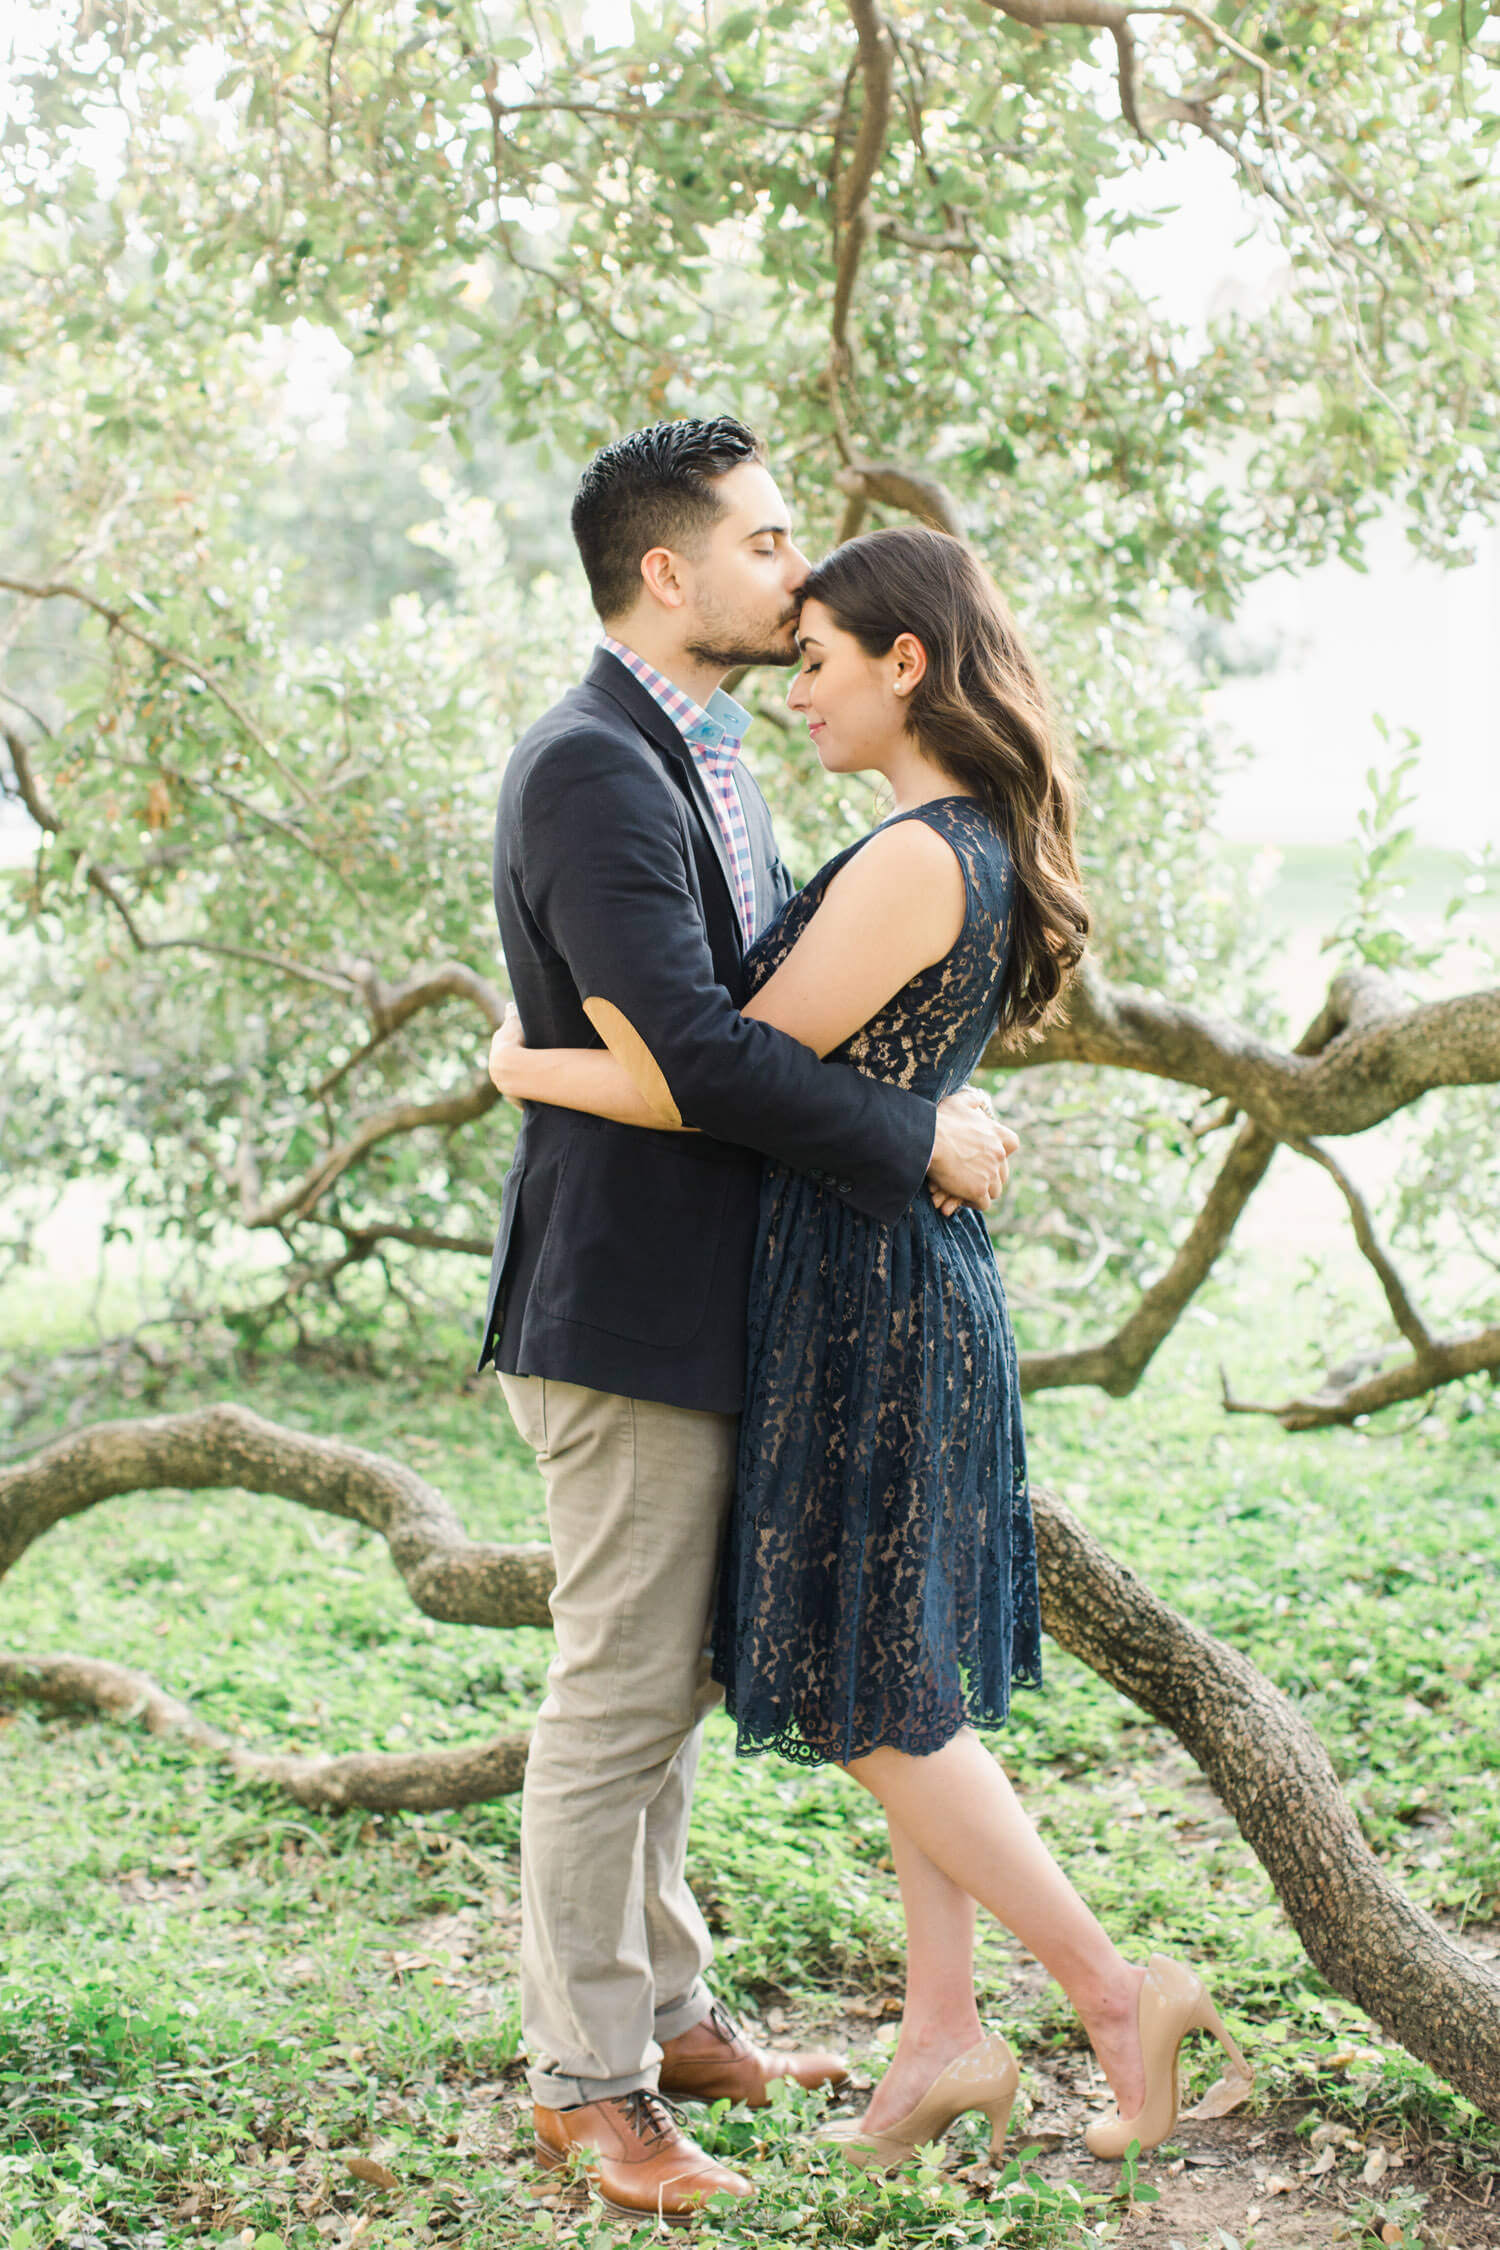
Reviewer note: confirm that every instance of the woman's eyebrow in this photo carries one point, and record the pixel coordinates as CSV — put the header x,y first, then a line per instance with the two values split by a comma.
x,y
807,640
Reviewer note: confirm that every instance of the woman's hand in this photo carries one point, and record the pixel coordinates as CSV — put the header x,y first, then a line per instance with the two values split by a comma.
x,y
507,1049
976,1097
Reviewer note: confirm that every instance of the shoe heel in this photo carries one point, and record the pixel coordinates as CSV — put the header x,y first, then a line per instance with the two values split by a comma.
x,y
1209,2019
998,2114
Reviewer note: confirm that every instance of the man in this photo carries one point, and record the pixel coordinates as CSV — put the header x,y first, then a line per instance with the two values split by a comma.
x,y
634,863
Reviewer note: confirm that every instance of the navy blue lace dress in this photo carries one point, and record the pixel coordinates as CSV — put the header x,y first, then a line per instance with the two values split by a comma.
x,y
879,1577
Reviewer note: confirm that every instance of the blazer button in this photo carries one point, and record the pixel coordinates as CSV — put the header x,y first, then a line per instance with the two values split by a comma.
x,y
846,1187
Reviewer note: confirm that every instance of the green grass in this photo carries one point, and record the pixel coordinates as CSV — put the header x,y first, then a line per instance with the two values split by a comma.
x,y
210,2000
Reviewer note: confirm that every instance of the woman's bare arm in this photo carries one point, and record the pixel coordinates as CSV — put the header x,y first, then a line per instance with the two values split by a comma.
x,y
586,1078
891,911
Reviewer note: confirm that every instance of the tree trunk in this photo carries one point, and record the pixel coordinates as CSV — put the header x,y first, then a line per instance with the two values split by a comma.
x,y
1275,1778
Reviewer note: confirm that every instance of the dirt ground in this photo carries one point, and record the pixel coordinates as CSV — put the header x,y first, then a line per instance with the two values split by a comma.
x,y
1236,2183
1257,2177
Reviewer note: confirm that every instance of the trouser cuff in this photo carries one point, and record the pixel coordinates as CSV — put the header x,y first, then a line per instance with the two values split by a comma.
x,y
681,2015
551,2090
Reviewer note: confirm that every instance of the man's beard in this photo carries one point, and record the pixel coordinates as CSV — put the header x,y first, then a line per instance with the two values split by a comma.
x,y
729,647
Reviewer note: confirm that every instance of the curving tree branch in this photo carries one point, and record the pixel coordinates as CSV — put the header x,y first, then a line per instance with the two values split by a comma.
x,y
119,621
449,1576
301,1199
1383,1054
1353,1392
1350,1398
372,1780
1397,1295
1118,1363
852,195
1114,16
892,484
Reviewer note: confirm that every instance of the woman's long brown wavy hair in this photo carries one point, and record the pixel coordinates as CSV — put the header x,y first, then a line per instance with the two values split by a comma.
x,y
981,713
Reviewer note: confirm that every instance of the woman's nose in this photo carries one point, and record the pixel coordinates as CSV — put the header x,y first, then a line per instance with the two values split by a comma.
x,y
794,690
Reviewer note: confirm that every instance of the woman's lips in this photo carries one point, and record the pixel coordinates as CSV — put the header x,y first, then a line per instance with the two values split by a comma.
x,y
816,726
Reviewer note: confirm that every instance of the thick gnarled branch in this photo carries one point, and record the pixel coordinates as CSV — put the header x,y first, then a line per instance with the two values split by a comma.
x,y
1383,1054
448,1575
891,484
1275,1778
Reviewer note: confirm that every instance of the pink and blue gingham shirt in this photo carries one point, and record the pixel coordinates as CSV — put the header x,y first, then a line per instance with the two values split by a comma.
x,y
714,734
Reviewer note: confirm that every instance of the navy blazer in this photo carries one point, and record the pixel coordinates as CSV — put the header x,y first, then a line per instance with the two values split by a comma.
x,y
623,1255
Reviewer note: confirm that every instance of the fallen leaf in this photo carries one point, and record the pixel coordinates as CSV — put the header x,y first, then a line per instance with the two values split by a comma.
x,y
1224,2095
1278,2184
1391,2232
1252,2215
1325,2162
374,2174
1377,2164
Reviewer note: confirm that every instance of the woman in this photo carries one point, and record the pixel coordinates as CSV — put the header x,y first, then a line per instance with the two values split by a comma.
x,y
878,1596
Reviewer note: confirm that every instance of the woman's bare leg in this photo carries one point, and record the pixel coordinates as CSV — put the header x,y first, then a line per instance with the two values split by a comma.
x,y
940,2019
959,1808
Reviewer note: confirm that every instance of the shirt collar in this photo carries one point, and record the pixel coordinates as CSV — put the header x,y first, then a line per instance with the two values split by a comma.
x,y
718,727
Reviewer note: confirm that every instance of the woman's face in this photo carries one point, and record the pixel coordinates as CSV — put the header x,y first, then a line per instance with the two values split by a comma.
x,y
854,704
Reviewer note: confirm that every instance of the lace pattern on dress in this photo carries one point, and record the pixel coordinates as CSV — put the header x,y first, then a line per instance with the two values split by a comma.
x,y
879,1579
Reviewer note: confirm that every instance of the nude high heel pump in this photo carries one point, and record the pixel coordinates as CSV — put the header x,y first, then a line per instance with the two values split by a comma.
x,y
984,2078
1174,2001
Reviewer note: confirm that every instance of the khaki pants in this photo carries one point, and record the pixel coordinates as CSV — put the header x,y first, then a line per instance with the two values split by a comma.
x,y
613,1947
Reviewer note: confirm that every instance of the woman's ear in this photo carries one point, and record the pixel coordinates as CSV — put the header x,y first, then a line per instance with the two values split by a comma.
x,y
911,663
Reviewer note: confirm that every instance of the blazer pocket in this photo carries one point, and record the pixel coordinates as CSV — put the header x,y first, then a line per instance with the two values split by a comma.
x,y
631,1248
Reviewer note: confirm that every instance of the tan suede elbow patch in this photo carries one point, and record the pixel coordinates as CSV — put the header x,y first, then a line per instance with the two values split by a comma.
x,y
631,1052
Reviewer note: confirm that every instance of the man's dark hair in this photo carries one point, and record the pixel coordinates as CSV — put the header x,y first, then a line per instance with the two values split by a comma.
x,y
653,488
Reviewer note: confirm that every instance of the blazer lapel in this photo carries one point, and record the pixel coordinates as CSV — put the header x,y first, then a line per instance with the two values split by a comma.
x,y
609,673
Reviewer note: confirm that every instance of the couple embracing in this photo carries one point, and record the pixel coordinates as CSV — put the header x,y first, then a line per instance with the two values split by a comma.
x,y
745,1309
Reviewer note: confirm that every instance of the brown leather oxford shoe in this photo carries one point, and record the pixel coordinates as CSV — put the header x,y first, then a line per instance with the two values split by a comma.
x,y
715,2062
635,2156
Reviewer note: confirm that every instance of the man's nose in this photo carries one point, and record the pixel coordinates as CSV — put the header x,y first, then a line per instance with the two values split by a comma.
x,y
799,568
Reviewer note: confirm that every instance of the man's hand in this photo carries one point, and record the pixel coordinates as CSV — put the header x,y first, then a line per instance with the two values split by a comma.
x,y
508,1041
971,1154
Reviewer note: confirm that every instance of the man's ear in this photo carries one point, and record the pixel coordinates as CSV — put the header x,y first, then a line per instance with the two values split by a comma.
x,y
660,574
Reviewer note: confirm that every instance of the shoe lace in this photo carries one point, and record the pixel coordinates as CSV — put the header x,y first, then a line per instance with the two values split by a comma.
x,y
725,2025
651,2114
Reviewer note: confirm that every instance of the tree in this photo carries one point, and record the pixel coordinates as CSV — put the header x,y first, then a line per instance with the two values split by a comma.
x,y
885,239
